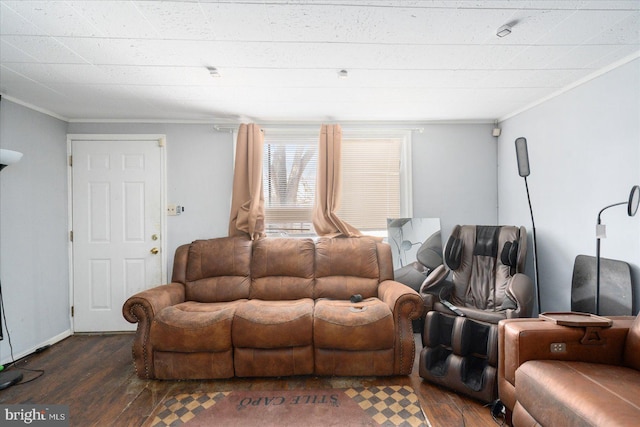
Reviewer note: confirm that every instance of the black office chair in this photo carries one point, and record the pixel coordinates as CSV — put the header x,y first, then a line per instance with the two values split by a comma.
x,y
428,258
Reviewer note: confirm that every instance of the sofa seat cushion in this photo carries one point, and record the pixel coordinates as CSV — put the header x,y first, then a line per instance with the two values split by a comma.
x,y
607,394
343,325
273,324
194,327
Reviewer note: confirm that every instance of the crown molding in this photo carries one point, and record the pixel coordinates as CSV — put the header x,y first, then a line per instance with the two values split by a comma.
x,y
586,79
34,108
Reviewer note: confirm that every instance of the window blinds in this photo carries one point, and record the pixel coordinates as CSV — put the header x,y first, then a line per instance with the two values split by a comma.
x,y
370,181
289,182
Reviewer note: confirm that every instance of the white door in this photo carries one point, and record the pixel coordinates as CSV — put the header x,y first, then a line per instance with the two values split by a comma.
x,y
116,223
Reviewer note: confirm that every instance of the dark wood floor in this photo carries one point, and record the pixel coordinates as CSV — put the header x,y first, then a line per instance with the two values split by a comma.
x,y
94,375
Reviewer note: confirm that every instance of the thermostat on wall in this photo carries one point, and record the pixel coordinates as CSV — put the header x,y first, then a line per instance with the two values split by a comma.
x,y
173,210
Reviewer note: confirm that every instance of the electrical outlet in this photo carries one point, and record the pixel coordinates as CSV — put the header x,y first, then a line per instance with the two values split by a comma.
x,y
558,347
172,210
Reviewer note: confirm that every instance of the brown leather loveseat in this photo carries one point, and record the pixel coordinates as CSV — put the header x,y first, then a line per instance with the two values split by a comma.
x,y
275,307
556,375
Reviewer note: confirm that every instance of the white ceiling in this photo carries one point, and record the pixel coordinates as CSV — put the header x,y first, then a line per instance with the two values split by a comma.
x,y
408,60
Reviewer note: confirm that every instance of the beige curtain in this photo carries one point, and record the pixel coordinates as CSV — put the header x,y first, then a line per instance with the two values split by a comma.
x,y
247,201
328,188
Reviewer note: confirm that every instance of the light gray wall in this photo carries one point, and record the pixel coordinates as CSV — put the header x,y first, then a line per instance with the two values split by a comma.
x,y
584,152
199,176
454,172
34,266
454,168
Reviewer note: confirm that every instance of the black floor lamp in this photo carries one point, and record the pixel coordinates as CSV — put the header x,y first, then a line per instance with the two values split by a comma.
x,y
601,231
8,378
523,170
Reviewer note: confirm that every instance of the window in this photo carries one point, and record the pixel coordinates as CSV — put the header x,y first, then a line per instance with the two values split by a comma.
x,y
370,182
289,182
374,180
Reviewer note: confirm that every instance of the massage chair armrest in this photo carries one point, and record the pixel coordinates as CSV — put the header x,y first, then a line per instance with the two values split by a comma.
x,y
144,305
520,289
521,340
436,287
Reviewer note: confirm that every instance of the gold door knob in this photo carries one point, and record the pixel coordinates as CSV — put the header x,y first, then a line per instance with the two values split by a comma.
x,y
154,251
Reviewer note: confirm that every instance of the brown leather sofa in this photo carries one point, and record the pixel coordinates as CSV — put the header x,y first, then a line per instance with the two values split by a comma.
x,y
275,307
552,375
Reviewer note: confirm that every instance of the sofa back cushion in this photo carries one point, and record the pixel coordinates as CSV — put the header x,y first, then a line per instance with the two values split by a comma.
x,y
632,345
345,267
282,269
218,270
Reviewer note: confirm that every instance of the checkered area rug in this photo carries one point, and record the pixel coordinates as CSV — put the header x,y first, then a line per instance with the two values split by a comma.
x,y
385,406
177,410
391,405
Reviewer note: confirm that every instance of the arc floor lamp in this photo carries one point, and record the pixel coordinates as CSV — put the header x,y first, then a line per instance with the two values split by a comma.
x,y
522,156
632,209
8,378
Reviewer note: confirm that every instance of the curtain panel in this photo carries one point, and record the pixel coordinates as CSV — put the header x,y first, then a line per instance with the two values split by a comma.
x,y
247,200
328,186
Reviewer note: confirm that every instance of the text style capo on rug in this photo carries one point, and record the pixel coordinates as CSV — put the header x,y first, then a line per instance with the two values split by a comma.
x,y
361,406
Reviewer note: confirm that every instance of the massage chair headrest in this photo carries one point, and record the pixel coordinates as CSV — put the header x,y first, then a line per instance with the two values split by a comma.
x,y
509,254
453,253
486,239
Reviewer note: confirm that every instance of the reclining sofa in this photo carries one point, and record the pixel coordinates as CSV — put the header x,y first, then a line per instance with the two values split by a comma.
x,y
276,307
570,374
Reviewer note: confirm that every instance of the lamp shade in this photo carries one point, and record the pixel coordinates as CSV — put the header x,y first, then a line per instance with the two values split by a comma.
x,y
634,200
8,157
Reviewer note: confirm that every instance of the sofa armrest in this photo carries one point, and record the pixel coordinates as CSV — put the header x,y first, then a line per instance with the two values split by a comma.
x,y
406,305
151,301
401,299
520,340
142,308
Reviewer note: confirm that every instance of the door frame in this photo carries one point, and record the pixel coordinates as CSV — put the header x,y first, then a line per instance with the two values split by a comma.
x,y
162,142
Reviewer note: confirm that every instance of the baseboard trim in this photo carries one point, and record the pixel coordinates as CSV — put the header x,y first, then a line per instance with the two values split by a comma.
x,y
32,350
